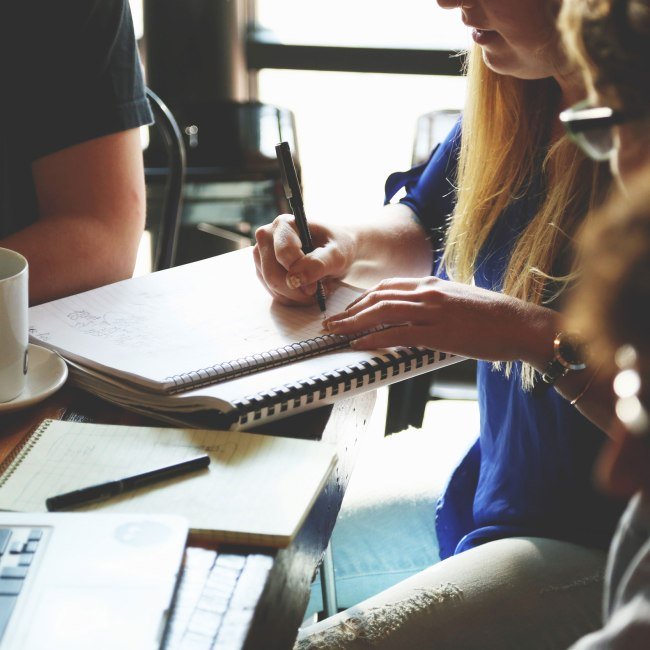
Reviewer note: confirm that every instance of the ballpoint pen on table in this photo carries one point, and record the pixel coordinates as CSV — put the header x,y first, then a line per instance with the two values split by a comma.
x,y
294,196
110,489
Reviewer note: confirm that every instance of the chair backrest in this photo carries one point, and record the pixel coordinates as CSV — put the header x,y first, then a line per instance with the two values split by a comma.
x,y
431,129
164,249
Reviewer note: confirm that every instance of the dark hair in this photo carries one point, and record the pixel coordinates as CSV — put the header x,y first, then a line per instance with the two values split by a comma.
x,y
613,39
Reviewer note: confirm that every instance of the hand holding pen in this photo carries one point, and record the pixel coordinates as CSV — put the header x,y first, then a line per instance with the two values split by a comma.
x,y
294,195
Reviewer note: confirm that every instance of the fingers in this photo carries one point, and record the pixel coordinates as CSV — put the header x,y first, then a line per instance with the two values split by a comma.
x,y
277,248
401,336
386,286
286,271
396,290
396,311
320,265
282,299
287,246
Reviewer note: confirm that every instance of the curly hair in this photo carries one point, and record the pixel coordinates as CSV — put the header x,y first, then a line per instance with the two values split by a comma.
x,y
611,304
611,39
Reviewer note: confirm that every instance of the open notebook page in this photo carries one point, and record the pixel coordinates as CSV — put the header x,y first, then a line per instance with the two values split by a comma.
x,y
178,321
257,489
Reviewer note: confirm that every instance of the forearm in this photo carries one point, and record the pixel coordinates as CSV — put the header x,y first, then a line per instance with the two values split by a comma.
x,y
69,254
389,244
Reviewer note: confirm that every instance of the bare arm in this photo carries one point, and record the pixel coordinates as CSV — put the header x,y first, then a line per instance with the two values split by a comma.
x,y
473,322
91,215
391,244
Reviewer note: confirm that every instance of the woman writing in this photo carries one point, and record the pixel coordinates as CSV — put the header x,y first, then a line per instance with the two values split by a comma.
x,y
519,512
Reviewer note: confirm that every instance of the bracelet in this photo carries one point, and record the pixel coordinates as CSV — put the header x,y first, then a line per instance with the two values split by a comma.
x,y
586,387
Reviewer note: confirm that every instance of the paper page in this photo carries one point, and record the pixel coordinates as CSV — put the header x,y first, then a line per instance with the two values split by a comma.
x,y
178,321
255,485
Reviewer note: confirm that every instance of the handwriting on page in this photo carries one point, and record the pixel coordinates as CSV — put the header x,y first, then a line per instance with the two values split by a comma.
x,y
180,321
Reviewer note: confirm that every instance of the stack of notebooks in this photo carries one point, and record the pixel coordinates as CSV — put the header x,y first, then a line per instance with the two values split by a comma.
x,y
205,345
258,489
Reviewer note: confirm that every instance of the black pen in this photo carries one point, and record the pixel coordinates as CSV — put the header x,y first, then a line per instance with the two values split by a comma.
x,y
110,489
294,196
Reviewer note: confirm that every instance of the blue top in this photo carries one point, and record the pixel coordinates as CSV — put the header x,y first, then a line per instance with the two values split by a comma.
x,y
530,471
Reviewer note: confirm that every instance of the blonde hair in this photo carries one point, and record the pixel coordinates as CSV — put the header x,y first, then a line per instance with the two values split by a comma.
x,y
505,139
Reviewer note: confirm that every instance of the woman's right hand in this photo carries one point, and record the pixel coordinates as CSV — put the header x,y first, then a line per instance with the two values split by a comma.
x,y
290,275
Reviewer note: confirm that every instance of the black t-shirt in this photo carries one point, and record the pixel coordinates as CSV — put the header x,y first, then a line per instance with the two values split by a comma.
x,y
70,73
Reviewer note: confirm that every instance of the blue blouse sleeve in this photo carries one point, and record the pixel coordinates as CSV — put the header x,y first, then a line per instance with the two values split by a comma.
x,y
430,188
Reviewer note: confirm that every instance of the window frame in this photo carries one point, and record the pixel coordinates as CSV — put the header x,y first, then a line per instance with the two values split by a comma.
x,y
264,50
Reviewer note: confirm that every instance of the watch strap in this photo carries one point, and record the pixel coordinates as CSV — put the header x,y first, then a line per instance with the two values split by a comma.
x,y
554,370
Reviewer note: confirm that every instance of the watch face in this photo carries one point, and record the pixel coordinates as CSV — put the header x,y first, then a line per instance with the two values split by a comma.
x,y
571,352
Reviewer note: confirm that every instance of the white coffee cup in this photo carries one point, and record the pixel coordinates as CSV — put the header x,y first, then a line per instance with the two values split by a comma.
x,y
13,324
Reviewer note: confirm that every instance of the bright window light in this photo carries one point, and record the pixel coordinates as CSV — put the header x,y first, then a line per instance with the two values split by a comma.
x,y
382,23
353,130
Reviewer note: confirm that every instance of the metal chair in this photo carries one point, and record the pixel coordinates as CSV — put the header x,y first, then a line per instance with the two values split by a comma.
x,y
167,227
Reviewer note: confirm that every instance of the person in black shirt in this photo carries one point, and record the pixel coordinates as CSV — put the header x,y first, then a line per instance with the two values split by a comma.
x,y
71,173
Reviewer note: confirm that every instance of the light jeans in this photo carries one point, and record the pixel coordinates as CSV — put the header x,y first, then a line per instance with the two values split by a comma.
x,y
385,531
517,593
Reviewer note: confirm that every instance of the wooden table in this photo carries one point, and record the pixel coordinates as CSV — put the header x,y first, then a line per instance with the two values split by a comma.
x,y
275,615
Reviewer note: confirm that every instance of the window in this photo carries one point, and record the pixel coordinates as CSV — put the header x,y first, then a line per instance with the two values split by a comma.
x,y
364,23
353,128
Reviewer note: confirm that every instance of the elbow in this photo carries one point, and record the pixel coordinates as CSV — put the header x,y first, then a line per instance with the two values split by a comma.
x,y
120,241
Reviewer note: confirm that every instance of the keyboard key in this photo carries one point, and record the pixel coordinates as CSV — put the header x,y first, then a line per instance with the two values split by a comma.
x,y
204,623
232,561
252,581
5,535
25,559
10,586
17,547
193,641
14,572
213,603
35,534
7,604
31,547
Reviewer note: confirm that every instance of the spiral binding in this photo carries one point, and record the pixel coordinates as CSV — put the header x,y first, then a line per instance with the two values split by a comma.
x,y
258,362
342,380
20,452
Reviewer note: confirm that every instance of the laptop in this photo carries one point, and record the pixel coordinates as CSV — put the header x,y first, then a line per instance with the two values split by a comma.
x,y
78,581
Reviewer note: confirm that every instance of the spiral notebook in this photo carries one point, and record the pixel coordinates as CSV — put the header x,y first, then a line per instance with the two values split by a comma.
x,y
258,489
205,344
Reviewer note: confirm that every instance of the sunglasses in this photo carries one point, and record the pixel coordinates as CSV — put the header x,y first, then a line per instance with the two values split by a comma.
x,y
590,127
627,387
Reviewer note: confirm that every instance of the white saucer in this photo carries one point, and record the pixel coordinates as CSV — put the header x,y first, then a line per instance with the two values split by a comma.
x,y
46,373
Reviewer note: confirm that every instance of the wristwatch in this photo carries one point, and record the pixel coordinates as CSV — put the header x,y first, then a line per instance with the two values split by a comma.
x,y
568,355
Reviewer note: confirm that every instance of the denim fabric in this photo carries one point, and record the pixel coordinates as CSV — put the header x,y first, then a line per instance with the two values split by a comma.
x,y
386,531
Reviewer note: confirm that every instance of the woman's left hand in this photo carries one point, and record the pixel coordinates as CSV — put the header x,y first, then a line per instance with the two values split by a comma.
x,y
447,316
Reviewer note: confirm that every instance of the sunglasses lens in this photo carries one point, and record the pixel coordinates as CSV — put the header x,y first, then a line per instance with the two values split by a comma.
x,y
596,143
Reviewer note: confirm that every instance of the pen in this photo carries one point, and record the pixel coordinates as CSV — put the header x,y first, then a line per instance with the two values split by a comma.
x,y
294,196
109,489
